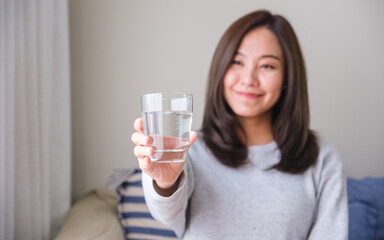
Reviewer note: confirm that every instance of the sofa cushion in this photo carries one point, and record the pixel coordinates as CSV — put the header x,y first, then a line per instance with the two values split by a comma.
x,y
92,217
134,215
366,208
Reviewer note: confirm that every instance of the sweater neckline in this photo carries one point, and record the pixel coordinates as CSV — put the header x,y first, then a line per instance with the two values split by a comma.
x,y
264,156
265,147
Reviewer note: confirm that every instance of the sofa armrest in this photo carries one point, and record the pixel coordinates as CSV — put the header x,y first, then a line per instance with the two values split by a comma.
x,y
92,217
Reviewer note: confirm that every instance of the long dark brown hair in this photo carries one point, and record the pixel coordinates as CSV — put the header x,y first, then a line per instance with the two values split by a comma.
x,y
290,116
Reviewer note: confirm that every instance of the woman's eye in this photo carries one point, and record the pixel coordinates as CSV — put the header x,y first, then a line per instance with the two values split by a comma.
x,y
267,66
236,62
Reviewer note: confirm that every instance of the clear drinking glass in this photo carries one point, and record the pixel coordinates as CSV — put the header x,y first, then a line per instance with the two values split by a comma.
x,y
167,119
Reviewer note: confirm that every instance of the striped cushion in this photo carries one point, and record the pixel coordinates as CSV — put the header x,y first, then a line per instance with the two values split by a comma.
x,y
134,215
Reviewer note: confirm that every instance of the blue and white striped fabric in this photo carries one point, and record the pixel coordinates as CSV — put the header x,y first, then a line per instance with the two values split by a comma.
x,y
134,215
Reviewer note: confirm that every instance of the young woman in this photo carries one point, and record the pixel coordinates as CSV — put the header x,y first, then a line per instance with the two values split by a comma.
x,y
256,170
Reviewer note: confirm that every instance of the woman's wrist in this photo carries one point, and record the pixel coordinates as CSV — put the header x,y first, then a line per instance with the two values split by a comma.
x,y
164,190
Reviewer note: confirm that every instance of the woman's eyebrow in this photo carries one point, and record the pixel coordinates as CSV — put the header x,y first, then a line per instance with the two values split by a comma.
x,y
239,53
270,56
262,56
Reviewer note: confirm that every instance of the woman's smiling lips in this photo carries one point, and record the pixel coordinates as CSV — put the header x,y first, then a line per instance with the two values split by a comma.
x,y
249,95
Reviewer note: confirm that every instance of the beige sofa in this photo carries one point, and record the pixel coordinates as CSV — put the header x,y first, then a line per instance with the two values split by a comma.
x,y
93,217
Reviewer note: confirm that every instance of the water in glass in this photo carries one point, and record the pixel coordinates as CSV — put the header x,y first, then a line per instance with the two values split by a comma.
x,y
169,132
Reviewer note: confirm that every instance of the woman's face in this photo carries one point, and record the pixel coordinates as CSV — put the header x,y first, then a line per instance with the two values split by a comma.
x,y
253,82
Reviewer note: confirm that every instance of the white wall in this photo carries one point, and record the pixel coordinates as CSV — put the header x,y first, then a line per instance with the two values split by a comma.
x,y
122,49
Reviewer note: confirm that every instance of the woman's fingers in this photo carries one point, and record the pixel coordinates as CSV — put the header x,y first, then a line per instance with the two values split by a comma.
x,y
140,139
142,154
192,137
145,164
142,151
138,125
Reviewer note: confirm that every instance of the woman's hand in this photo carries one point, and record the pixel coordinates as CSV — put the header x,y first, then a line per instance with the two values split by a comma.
x,y
164,174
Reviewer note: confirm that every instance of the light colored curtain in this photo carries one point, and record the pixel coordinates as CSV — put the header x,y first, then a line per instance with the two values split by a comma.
x,y
34,118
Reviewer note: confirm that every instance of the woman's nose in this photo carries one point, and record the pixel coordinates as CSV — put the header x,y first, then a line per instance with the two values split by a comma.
x,y
250,77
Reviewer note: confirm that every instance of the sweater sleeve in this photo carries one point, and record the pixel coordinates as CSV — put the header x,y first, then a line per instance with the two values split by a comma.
x,y
331,218
171,211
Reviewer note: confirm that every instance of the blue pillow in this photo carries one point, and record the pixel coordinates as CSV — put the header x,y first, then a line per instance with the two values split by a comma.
x,y
366,208
134,215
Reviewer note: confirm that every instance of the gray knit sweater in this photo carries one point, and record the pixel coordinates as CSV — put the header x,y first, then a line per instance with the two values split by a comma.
x,y
214,201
